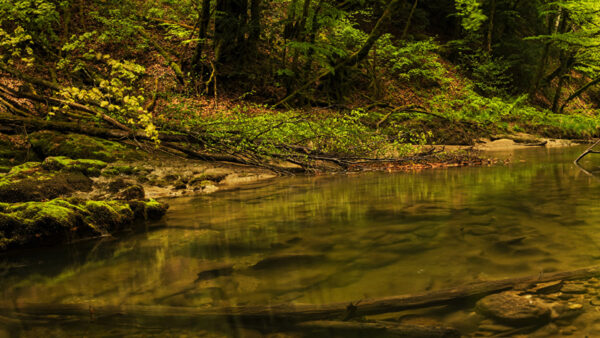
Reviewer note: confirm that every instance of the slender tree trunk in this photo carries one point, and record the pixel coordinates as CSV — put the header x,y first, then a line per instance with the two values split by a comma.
x,y
202,33
408,21
255,28
354,58
491,27
543,62
579,92
558,92
230,26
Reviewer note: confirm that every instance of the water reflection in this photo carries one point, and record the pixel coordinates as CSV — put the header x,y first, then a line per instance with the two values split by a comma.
x,y
329,239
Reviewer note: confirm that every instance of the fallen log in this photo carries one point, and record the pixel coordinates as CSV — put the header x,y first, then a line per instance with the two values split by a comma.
x,y
33,124
286,314
377,328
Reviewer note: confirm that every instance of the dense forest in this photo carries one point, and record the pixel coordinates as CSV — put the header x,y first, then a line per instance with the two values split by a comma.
x,y
114,111
298,79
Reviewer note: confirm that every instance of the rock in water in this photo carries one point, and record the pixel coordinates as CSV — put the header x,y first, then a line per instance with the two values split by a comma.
x,y
574,288
215,271
511,308
286,261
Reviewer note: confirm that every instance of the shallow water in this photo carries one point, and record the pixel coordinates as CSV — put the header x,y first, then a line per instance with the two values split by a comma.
x,y
320,240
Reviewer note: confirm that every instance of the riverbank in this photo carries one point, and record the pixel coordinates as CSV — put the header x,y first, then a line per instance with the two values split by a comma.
x,y
62,187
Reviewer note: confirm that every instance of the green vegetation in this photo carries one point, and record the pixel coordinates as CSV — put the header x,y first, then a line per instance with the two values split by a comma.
x,y
296,80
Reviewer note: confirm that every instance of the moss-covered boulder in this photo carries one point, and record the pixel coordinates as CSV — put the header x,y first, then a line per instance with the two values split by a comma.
x,y
85,166
32,182
133,192
61,221
49,143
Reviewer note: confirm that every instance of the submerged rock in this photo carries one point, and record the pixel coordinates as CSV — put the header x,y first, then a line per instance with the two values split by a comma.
x,y
60,221
286,260
511,308
574,288
214,271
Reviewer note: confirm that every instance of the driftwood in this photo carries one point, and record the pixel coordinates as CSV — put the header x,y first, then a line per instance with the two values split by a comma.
x,y
291,314
377,328
589,150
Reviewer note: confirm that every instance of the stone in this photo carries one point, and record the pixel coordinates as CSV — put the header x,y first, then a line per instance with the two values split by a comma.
x,y
569,330
573,288
513,309
495,328
116,185
31,182
565,311
59,221
565,296
214,271
464,321
134,192
290,260
49,143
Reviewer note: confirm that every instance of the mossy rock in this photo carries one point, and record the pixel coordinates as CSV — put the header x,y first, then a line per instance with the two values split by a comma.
x,y
200,178
48,143
134,192
86,166
61,221
117,170
31,182
148,210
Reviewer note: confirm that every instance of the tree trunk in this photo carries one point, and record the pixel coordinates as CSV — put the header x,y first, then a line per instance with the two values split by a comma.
x,y
491,27
202,33
230,26
410,15
354,58
579,92
255,27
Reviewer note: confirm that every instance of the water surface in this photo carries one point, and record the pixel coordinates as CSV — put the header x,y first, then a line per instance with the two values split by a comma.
x,y
342,238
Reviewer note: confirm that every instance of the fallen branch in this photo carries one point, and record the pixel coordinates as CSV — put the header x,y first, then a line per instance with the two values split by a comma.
x,y
290,314
73,105
377,328
589,150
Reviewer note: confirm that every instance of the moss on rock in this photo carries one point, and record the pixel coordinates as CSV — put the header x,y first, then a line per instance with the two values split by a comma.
x,y
49,143
86,166
32,182
134,192
60,221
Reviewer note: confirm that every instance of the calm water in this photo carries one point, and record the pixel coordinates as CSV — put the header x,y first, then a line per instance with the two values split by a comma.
x,y
322,239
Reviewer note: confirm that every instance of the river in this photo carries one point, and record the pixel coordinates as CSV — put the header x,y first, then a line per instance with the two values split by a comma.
x,y
319,240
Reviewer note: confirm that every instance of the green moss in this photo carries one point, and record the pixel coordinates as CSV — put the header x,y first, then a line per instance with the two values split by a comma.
x,y
25,168
4,169
59,221
86,166
31,182
79,146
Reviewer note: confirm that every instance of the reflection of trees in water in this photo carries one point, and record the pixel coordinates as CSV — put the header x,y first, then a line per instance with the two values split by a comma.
x,y
470,221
